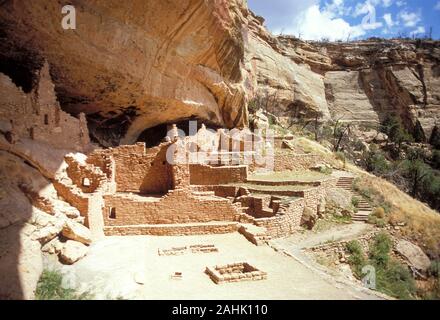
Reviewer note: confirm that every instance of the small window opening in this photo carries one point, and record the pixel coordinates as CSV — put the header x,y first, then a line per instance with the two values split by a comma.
x,y
46,119
112,213
86,182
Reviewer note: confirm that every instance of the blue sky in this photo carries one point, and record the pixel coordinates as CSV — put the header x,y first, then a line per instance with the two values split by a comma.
x,y
350,19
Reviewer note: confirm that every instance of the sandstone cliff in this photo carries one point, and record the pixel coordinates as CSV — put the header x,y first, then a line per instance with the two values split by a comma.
x,y
133,65
136,65
360,81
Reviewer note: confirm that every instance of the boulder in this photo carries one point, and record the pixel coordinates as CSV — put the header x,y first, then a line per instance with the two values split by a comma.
x,y
46,234
48,226
413,254
309,218
74,231
53,247
73,251
260,120
339,197
321,206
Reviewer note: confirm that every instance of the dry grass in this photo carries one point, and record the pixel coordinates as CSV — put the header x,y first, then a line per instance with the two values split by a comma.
x,y
264,188
312,147
422,224
301,176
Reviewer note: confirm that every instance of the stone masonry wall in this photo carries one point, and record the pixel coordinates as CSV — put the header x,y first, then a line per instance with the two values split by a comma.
x,y
178,206
74,197
286,160
137,169
171,230
286,222
86,177
207,175
37,115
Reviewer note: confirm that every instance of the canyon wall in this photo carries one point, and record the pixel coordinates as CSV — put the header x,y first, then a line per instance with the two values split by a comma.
x,y
133,66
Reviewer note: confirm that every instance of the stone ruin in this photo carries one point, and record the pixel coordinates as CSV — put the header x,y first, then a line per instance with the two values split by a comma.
x,y
235,272
197,184
134,190
197,248
37,115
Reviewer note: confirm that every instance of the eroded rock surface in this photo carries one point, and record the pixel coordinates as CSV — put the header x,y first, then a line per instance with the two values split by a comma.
x,y
131,70
413,254
137,64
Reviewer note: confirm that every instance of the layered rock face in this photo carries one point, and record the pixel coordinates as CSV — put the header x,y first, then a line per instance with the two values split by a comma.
x,y
377,78
133,66
358,82
136,64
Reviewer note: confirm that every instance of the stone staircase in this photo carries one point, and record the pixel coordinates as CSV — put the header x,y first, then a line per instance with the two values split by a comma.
x,y
363,207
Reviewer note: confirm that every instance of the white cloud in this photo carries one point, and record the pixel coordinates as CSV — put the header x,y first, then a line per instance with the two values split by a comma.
x,y
437,6
387,3
363,8
388,20
316,24
410,19
419,30
368,5
337,8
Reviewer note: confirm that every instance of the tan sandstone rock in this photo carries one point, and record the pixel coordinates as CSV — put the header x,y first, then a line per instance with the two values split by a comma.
x,y
309,218
75,231
127,63
73,251
21,263
413,254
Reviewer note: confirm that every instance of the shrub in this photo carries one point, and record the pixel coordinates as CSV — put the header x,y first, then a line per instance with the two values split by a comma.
x,y
380,249
376,163
434,269
340,156
357,258
380,223
435,138
395,130
355,201
49,288
435,160
326,170
379,213
396,281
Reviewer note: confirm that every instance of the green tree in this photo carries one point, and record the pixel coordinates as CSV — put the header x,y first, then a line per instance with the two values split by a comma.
x,y
435,159
376,162
393,127
416,170
435,138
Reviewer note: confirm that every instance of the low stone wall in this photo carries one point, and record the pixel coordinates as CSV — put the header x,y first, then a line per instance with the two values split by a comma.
x,y
178,206
206,175
339,247
256,235
172,230
289,161
287,220
74,198
235,272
